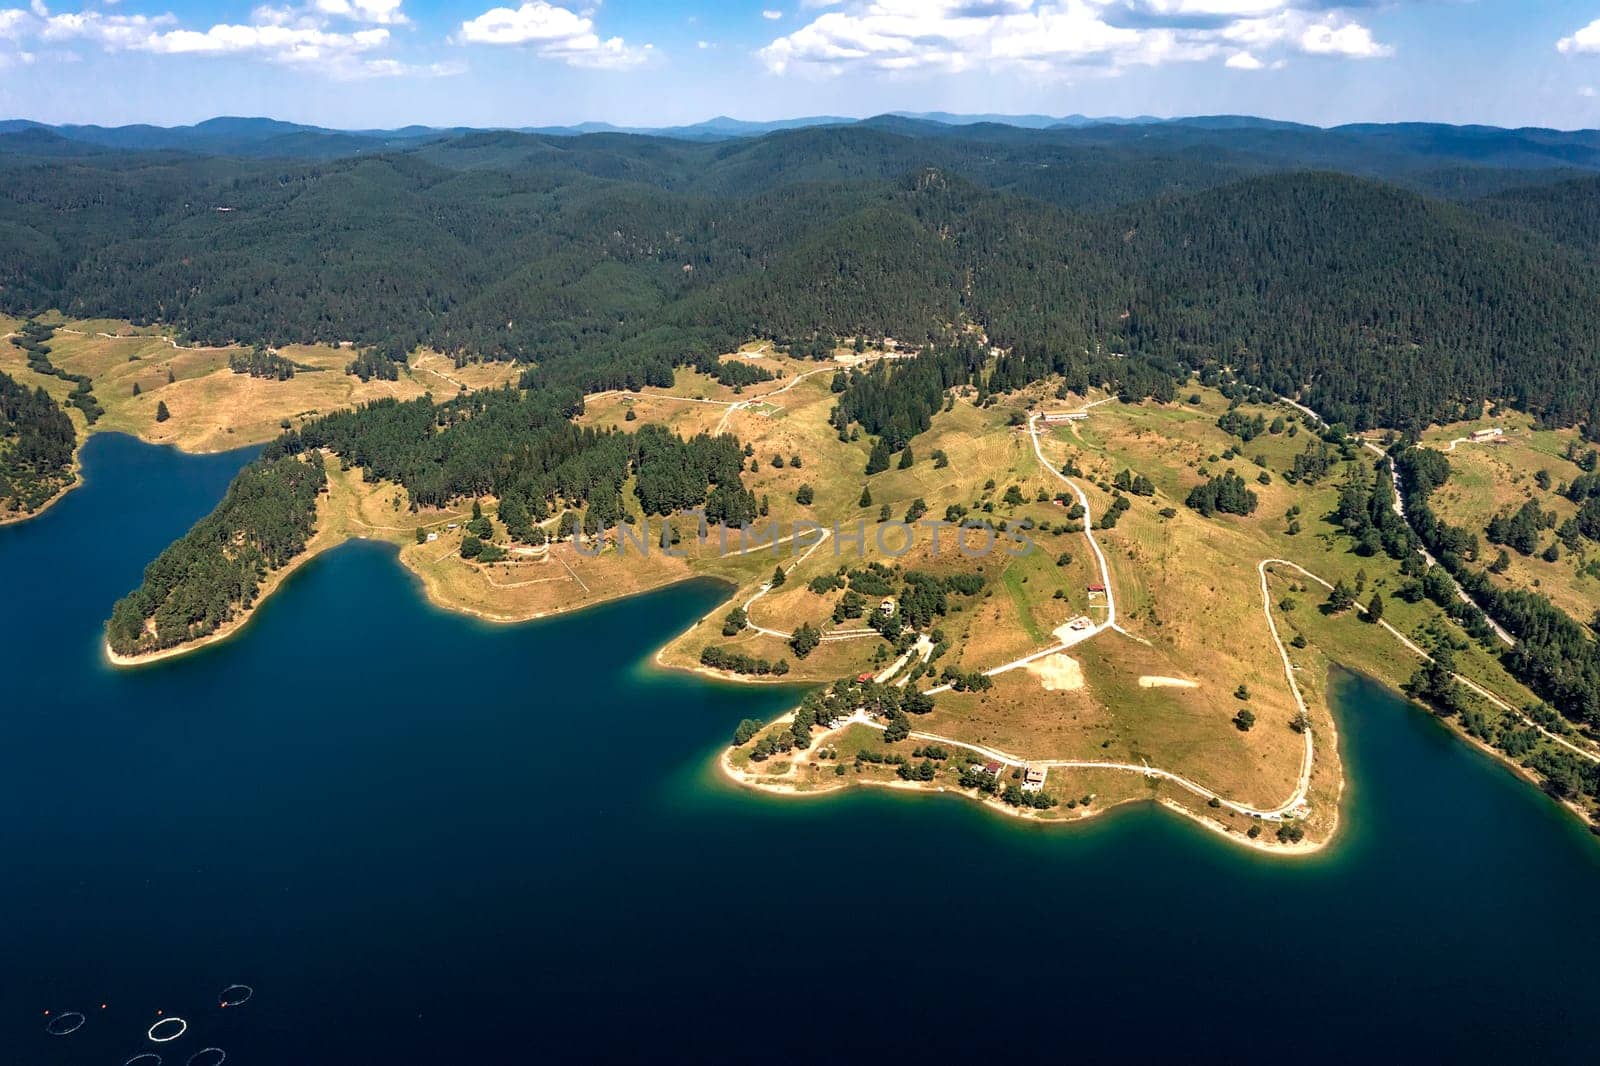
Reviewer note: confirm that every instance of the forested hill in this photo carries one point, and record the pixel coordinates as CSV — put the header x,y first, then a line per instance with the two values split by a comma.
x,y
604,260
37,442
1567,212
1391,305
522,448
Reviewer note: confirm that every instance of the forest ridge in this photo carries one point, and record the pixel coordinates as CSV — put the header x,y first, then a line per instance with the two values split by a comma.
x,y
1379,276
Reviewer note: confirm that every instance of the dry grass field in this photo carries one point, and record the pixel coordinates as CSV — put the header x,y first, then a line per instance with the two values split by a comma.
x,y
213,409
1166,691
1487,479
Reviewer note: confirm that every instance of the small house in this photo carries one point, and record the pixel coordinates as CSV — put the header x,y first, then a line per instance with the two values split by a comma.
x,y
1097,588
432,537
868,676
887,606
1033,778
992,769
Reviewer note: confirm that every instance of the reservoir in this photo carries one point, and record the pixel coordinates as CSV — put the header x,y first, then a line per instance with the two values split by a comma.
x,y
423,838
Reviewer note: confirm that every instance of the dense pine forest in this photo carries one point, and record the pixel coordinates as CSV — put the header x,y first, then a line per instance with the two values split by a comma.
x,y
36,445
604,260
206,579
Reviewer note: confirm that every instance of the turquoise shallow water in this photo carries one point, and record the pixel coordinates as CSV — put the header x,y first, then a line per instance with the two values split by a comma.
x,y
426,839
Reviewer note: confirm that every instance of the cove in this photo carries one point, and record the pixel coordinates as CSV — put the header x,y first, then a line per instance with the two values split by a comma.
x,y
423,838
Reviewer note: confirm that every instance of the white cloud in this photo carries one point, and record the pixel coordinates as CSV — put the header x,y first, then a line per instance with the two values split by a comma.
x,y
1349,39
288,43
115,32
14,22
143,33
1046,36
393,68
771,15
314,33
1585,40
553,32
1587,92
380,12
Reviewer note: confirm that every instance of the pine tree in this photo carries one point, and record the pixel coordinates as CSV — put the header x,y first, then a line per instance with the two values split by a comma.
x,y
162,414
1375,607
866,497
1341,598
878,461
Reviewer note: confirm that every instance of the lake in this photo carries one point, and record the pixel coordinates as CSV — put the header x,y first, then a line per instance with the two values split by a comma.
x,y
422,838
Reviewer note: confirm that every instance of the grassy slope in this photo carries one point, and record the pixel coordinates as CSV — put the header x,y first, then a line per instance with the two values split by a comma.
x,y
1186,586
1490,479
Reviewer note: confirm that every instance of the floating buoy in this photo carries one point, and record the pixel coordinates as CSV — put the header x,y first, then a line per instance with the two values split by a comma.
x,y
166,1036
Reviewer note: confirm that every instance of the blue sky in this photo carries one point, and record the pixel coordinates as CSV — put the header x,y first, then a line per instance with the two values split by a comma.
x,y
361,63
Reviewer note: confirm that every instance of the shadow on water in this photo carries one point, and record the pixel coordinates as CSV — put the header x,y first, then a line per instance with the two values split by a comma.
x,y
425,838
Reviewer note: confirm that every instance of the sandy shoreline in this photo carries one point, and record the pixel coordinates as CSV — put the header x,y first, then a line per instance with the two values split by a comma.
x,y
227,630
1259,844
16,518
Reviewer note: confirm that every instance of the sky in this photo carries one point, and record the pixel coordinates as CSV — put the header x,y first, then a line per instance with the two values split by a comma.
x,y
384,63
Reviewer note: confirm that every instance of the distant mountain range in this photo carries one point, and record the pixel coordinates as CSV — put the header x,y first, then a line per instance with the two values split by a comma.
x,y
1396,145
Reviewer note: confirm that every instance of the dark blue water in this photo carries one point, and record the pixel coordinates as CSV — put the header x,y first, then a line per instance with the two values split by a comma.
x,y
425,839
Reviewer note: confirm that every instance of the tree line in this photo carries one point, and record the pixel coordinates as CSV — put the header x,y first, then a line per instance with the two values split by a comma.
x,y
37,440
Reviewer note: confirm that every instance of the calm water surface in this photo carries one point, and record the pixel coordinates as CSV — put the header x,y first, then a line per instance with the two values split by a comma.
x,y
424,839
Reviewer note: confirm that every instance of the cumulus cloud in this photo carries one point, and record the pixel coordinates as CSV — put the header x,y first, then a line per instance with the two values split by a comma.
x,y
1066,35
13,22
113,31
1350,39
1585,40
379,12
553,32
337,37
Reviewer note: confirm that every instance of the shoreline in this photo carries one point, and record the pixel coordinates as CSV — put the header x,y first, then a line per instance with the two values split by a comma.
x,y
225,631
1259,845
274,581
15,519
